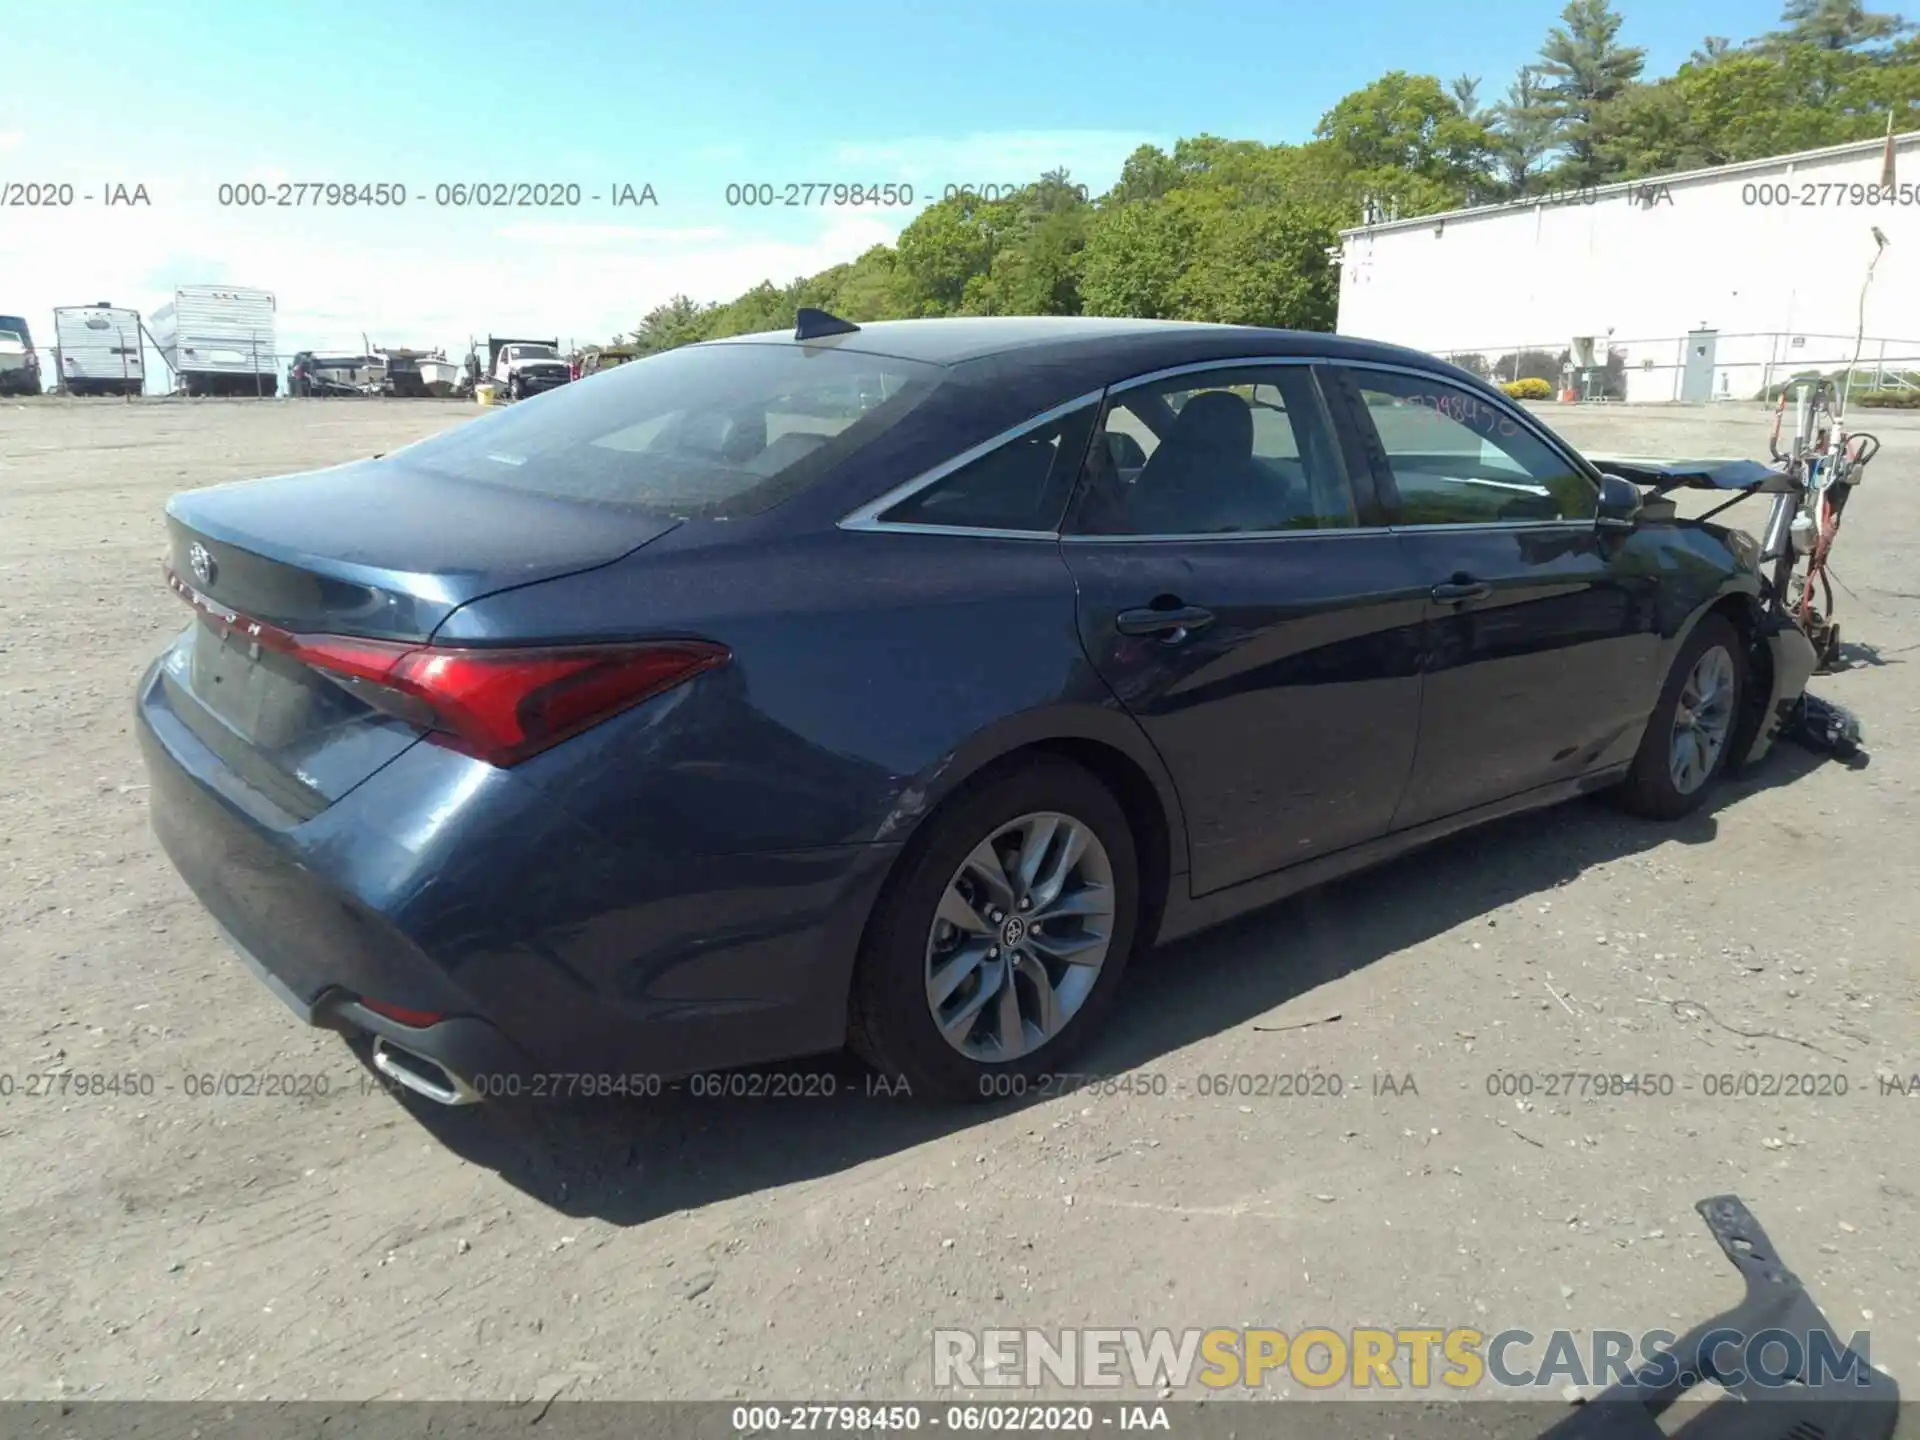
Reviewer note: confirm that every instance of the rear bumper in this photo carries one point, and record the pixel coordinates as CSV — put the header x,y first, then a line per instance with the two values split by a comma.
x,y
477,1060
442,885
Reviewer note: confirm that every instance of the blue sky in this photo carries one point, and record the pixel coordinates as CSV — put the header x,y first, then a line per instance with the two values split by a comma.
x,y
687,98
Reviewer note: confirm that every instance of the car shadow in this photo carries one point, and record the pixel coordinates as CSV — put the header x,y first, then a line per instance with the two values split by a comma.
x,y
1857,655
634,1160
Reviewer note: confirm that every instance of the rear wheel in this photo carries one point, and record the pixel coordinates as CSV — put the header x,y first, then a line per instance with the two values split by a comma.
x,y
1686,747
1000,946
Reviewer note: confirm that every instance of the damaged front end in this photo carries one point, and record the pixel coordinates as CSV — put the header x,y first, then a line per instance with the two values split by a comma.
x,y
1785,656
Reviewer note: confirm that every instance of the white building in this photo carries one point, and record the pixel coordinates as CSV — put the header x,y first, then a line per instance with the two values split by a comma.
x,y
1712,284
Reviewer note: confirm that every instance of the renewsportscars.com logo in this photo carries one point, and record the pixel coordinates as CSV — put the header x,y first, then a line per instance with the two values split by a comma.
x,y
1375,1360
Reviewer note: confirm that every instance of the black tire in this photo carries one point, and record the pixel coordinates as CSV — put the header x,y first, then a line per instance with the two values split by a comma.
x,y
515,390
1649,789
891,1025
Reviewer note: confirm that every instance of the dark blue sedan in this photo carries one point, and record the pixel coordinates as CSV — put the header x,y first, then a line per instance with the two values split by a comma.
x,y
892,685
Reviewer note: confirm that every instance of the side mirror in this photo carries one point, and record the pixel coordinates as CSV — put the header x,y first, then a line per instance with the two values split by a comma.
x,y
1619,503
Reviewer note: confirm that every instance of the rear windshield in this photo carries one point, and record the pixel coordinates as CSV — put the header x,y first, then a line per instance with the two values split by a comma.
x,y
17,325
706,432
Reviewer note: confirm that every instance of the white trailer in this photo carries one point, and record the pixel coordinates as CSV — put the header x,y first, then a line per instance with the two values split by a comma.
x,y
218,340
96,350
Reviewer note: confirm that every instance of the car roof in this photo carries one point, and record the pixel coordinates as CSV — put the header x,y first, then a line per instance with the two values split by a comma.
x,y
962,339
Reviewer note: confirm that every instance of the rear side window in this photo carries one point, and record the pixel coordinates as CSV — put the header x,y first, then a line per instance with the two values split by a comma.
x,y
18,325
1022,484
705,432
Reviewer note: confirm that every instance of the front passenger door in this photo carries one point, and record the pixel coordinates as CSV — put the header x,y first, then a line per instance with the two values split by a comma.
x,y
1542,646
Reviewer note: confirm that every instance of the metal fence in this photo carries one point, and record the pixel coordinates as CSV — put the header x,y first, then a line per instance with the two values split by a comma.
x,y
1703,367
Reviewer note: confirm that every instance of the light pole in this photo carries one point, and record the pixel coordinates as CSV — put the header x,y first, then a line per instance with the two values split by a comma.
x,y
1860,333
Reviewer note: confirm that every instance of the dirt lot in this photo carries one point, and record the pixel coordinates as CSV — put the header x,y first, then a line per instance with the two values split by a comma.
x,y
344,1246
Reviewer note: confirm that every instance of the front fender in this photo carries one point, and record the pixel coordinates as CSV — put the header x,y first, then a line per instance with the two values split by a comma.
x,y
1780,661
1793,660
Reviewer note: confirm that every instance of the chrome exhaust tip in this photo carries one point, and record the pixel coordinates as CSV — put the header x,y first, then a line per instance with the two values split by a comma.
x,y
421,1075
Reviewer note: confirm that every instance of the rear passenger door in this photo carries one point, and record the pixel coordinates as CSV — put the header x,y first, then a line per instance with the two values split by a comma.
x,y
1541,643
1240,596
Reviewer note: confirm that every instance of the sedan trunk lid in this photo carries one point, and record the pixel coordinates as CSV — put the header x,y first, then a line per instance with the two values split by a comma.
x,y
382,549
375,550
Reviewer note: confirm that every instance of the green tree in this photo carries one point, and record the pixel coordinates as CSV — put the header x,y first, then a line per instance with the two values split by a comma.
x,y
1260,265
1583,65
1409,123
765,307
681,321
868,288
1650,132
1134,259
1242,237
1148,174
1834,25
1523,133
947,245
1241,230
1750,104
1035,264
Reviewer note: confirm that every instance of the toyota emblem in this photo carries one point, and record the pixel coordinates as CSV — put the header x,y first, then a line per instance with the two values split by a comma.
x,y
201,562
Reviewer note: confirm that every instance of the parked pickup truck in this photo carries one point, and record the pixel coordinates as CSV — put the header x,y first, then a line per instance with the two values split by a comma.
x,y
526,367
19,365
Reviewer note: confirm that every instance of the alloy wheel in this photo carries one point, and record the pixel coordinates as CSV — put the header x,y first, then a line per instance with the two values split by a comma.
x,y
1701,720
1020,935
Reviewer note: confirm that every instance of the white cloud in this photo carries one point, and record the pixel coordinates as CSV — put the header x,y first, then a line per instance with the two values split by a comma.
x,y
421,275
398,278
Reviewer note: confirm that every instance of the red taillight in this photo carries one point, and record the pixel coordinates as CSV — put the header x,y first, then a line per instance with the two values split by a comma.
x,y
501,706
504,705
418,1019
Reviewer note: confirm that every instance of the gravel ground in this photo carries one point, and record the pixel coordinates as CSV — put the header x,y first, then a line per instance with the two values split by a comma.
x,y
346,1246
